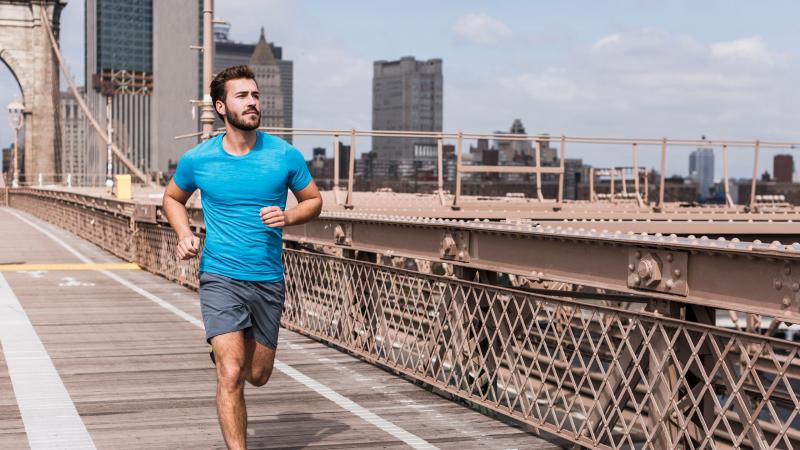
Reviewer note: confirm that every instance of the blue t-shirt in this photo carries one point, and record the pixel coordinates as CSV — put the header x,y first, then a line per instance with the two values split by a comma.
x,y
234,189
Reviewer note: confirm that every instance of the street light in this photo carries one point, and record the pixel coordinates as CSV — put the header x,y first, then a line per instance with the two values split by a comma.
x,y
15,110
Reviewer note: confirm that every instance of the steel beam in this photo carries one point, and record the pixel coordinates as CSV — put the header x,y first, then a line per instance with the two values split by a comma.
x,y
749,277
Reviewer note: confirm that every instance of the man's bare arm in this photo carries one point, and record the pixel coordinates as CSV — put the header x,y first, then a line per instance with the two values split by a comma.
x,y
174,205
309,205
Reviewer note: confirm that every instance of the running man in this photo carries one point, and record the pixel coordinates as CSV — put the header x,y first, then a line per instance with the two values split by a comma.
x,y
244,176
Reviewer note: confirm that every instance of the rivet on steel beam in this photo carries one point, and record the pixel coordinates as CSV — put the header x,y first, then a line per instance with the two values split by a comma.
x,y
787,301
787,270
669,284
638,254
796,286
778,285
677,273
670,257
631,267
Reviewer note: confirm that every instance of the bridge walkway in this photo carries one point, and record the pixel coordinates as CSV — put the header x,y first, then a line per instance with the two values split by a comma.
x,y
95,353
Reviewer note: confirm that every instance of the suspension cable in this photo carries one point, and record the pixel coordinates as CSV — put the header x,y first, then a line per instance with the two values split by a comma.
x,y
79,98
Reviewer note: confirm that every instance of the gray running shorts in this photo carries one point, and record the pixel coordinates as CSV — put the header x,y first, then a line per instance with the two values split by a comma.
x,y
231,305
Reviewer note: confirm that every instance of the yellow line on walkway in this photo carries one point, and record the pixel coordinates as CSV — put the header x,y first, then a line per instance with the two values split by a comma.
x,y
69,266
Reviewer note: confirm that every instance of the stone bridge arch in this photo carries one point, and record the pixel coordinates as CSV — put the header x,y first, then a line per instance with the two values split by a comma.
x,y
25,50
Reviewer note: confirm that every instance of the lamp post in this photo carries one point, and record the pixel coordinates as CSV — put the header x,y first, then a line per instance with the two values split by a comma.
x,y
15,110
207,112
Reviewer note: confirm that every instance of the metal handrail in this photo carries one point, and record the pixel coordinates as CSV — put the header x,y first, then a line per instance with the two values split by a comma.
x,y
724,144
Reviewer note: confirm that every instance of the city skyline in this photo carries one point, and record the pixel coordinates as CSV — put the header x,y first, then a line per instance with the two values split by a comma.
x,y
631,70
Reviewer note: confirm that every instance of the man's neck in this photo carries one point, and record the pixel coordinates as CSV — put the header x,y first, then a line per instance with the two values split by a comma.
x,y
238,142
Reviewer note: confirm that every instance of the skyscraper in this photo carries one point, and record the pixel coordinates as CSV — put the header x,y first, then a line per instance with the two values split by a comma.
x,y
228,53
701,170
137,53
509,149
268,77
177,78
406,96
73,136
783,168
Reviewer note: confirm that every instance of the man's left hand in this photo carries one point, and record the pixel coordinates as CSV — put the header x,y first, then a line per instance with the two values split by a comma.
x,y
273,217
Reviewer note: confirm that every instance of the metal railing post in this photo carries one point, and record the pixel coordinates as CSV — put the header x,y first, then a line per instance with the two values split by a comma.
x,y
662,175
539,170
348,204
440,157
636,174
725,186
459,147
561,175
336,173
756,151
592,195
613,172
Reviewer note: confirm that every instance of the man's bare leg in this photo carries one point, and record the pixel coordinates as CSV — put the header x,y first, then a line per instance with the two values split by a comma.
x,y
229,349
259,360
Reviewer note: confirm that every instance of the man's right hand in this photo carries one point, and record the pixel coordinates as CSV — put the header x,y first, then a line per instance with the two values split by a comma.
x,y
188,247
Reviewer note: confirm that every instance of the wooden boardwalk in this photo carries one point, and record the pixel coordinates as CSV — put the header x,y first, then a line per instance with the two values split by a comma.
x,y
137,372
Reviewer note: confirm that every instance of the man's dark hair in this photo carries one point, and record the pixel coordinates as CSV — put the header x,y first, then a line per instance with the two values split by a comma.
x,y
218,83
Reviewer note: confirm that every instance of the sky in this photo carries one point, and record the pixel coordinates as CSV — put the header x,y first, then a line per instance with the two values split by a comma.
x,y
645,69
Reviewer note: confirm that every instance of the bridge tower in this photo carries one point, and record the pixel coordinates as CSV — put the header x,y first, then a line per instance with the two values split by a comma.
x,y
25,49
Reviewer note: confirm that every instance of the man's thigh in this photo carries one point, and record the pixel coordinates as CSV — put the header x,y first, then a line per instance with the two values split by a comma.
x,y
223,303
259,356
265,303
230,349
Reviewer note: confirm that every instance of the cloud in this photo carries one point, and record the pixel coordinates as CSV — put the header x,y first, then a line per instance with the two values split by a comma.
x,y
480,29
748,50
334,68
677,68
551,85
645,82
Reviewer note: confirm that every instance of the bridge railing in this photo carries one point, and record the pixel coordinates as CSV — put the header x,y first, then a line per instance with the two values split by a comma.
x,y
599,373
538,169
534,145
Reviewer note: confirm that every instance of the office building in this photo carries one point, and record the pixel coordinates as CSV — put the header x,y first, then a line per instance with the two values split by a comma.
x,y
137,53
268,77
783,168
406,96
73,135
228,53
701,170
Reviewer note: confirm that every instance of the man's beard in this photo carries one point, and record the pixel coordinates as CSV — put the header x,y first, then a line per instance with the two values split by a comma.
x,y
237,121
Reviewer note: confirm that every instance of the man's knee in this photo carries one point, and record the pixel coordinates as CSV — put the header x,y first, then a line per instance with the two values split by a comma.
x,y
230,375
260,377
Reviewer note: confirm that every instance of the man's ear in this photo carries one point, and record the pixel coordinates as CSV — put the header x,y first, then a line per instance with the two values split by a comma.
x,y
219,105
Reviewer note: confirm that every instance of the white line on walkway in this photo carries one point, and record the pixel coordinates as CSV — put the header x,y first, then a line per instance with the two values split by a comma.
x,y
412,440
48,413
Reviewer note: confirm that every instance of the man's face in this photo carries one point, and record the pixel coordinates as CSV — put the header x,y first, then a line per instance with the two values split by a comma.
x,y
241,106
